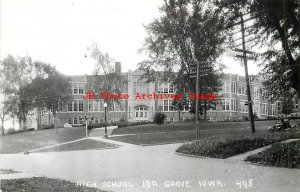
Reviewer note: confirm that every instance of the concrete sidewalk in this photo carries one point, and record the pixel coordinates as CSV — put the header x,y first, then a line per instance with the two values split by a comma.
x,y
153,168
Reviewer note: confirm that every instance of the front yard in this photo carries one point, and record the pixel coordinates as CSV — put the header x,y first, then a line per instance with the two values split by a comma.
x,y
26,141
182,132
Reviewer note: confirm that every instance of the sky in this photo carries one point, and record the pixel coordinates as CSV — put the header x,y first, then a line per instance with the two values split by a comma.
x,y
59,31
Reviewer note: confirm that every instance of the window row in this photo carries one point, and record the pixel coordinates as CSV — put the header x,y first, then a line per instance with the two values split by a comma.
x,y
77,105
165,88
78,88
234,87
81,120
167,105
229,105
143,114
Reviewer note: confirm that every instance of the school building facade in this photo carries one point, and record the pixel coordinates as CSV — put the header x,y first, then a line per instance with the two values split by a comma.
x,y
233,105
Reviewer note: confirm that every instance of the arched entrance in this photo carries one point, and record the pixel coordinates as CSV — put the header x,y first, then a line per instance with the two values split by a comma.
x,y
141,113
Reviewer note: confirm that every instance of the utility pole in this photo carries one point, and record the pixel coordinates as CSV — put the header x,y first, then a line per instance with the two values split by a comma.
x,y
247,76
197,101
198,73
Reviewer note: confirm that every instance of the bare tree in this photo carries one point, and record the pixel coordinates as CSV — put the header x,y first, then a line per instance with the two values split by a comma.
x,y
104,79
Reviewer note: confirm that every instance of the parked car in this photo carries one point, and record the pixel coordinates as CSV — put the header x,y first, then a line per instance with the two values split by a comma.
x,y
283,124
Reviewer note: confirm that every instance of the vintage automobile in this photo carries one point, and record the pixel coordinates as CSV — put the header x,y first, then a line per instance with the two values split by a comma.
x,y
283,125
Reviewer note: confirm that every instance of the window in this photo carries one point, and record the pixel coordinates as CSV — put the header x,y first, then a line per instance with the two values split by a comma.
x,y
81,119
160,105
75,121
96,105
225,104
256,92
171,89
75,105
80,105
233,87
186,106
272,109
166,89
91,105
233,105
75,88
70,121
264,109
145,113
166,108
296,104
279,106
70,108
100,105
160,88
242,89
119,106
243,107
225,87
170,105
80,90
141,114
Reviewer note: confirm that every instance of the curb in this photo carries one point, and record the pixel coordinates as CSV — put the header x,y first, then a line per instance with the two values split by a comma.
x,y
145,145
196,156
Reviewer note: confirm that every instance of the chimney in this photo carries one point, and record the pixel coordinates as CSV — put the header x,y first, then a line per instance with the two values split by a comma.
x,y
118,67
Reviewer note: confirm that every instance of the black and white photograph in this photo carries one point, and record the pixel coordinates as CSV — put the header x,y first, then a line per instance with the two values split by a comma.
x,y
149,95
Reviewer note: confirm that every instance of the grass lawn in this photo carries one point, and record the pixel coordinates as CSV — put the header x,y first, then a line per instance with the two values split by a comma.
x,y
189,126
29,140
279,155
42,184
79,145
182,132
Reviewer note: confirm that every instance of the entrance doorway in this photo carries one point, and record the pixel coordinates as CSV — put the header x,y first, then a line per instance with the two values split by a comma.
x,y
141,113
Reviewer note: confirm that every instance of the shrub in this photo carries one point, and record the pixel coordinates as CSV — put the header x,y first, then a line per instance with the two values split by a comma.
x,y
51,126
159,118
96,125
279,155
224,149
9,131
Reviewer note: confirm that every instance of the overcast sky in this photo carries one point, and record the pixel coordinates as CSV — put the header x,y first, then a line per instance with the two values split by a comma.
x,y
59,32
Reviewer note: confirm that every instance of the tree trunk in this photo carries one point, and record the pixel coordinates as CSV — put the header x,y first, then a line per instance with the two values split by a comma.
x,y
20,124
205,110
294,65
2,127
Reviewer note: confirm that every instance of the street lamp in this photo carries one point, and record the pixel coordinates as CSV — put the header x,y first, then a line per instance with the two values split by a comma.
x,y
105,107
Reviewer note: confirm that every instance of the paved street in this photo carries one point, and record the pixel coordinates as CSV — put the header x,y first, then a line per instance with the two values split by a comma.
x,y
130,165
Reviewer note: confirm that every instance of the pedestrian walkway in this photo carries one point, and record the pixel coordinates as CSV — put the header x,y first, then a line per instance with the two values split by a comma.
x,y
102,139
153,168
98,132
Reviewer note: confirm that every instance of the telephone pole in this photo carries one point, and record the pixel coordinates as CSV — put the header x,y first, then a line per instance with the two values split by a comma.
x,y
245,57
